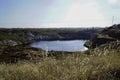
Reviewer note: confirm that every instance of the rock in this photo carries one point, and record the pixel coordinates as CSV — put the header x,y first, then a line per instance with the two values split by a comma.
x,y
107,35
9,43
111,45
30,36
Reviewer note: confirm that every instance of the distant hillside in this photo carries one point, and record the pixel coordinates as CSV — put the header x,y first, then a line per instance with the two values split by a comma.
x,y
28,34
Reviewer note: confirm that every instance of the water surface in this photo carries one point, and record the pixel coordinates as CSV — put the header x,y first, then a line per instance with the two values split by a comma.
x,y
69,45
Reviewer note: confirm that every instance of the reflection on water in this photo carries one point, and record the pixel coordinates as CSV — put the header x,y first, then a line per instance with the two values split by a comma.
x,y
69,45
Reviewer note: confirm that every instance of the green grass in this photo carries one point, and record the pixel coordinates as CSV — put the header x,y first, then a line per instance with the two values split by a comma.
x,y
102,65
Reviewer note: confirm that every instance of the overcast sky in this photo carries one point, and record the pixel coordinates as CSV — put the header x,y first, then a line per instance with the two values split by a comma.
x,y
59,13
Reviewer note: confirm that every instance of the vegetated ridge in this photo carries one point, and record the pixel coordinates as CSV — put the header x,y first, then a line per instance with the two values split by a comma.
x,y
110,35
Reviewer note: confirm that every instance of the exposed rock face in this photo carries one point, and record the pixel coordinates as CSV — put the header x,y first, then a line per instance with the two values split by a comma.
x,y
107,35
30,36
9,43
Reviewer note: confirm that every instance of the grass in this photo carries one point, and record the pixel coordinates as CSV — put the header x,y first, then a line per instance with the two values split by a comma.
x,y
102,65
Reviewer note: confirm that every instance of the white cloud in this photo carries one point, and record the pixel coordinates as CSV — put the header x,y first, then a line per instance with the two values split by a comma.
x,y
79,14
112,2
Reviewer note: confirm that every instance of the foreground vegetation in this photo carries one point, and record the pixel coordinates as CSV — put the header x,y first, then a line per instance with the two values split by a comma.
x,y
100,65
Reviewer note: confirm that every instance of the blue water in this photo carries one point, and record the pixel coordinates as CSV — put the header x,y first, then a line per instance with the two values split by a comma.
x,y
69,45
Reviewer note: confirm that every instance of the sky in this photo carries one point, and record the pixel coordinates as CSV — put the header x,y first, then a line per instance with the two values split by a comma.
x,y
58,13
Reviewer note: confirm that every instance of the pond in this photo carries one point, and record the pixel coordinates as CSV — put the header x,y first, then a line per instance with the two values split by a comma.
x,y
67,45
